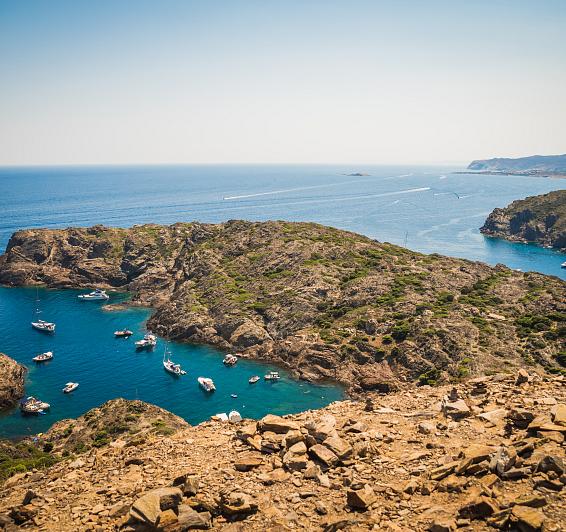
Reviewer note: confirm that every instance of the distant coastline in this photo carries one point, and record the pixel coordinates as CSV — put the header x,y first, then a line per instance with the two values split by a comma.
x,y
526,173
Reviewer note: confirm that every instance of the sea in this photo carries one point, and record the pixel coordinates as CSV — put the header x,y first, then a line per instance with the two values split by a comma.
x,y
429,209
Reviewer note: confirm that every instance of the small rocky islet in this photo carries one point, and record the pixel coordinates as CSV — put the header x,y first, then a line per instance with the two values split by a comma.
x,y
387,322
538,219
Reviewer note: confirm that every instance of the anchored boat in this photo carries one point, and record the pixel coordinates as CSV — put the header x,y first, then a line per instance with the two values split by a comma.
x,y
254,379
170,366
41,325
230,360
206,384
31,405
70,387
272,376
149,341
43,357
125,333
96,295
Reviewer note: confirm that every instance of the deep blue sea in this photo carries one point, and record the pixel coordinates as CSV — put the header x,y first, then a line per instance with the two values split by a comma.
x,y
428,209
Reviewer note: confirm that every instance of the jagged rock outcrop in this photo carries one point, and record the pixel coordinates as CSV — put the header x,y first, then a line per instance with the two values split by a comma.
x,y
349,466
540,219
328,304
12,376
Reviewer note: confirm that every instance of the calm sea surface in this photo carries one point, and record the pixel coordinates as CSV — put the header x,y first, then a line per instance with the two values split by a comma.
x,y
428,209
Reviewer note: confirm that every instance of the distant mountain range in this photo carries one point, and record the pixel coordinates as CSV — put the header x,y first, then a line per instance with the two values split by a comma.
x,y
533,165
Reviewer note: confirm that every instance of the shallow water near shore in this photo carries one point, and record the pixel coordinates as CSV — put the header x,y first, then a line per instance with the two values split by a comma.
x,y
85,351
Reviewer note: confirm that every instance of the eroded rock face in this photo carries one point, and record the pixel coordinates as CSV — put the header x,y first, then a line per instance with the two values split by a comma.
x,y
540,219
325,303
12,376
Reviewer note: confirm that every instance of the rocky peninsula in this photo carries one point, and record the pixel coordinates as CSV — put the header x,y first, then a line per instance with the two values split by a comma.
x,y
486,454
539,219
326,303
534,165
12,377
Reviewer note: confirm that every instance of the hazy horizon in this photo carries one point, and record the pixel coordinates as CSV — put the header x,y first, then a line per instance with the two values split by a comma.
x,y
340,83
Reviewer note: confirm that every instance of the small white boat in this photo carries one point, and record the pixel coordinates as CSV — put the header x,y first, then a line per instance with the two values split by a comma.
x,y
31,405
70,386
563,265
234,396
230,360
272,376
148,341
254,379
96,295
234,416
43,357
206,384
124,333
43,326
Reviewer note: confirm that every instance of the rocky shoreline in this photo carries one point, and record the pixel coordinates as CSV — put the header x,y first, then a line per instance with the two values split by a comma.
x,y
12,377
487,454
325,303
536,219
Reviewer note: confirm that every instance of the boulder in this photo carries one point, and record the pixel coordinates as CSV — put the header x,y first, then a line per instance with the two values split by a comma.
x,y
494,417
237,503
324,455
361,499
503,460
277,424
522,377
527,519
559,414
478,508
248,462
456,409
323,428
147,508
551,463
189,519
520,417
339,447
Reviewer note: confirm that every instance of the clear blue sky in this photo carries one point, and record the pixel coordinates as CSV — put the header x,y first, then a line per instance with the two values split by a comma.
x,y
116,81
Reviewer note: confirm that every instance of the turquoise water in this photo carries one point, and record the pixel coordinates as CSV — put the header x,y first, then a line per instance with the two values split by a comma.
x,y
85,351
429,208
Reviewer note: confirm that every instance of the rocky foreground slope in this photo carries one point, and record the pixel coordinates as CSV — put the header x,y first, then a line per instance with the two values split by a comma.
x,y
326,303
12,376
540,219
488,454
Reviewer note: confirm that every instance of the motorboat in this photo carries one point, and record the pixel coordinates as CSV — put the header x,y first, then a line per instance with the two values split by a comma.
x,y
272,376
43,326
254,379
563,265
124,333
31,405
170,366
206,384
230,360
149,341
70,387
96,295
234,416
234,396
43,357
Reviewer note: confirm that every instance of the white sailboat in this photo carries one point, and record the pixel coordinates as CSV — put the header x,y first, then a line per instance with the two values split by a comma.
x,y
41,325
170,366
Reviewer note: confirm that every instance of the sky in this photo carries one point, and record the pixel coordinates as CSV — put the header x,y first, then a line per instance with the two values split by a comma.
x,y
280,81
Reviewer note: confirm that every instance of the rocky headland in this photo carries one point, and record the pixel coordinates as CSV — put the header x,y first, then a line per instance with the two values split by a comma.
x,y
12,376
485,454
534,165
326,303
539,219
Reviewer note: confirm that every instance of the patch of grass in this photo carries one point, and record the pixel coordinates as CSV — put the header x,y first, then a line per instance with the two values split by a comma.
x,y
430,377
22,457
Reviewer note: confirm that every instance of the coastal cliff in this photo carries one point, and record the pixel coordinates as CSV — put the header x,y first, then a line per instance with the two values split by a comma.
x,y
539,219
12,377
487,454
327,304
